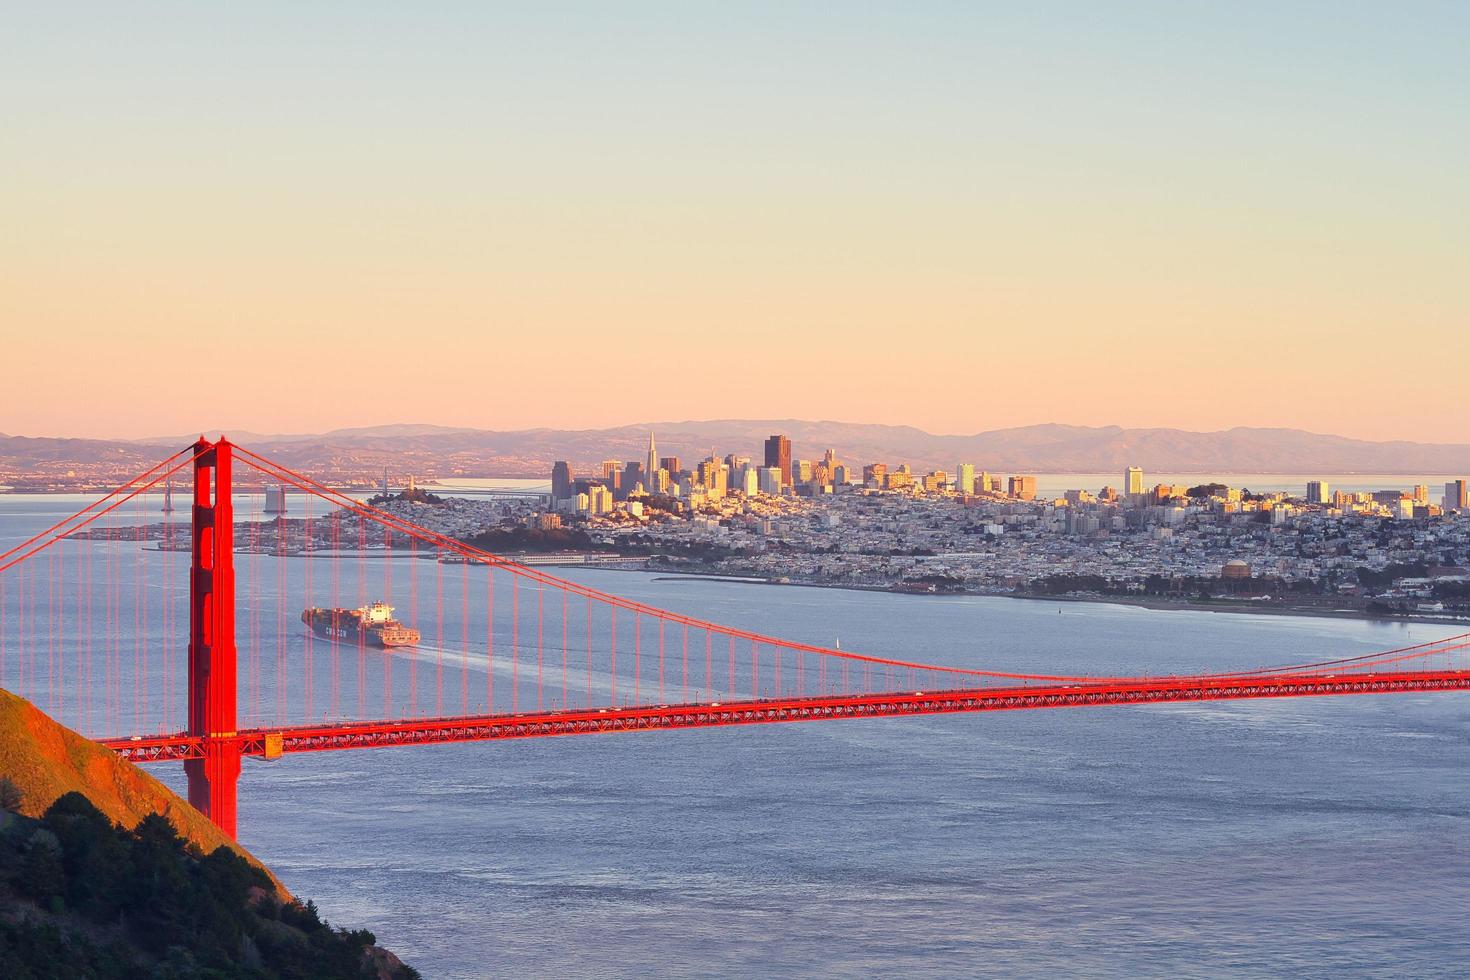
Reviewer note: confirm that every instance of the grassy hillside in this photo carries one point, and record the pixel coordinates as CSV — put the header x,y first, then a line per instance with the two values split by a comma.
x,y
45,759
106,873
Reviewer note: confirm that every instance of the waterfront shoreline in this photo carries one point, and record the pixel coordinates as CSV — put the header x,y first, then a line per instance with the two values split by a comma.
x,y
1154,604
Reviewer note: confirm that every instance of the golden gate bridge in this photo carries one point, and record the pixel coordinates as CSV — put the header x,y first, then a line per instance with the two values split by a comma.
x,y
525,654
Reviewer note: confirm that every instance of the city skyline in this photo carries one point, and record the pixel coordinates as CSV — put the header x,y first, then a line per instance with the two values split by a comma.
x,y
360,456
956,218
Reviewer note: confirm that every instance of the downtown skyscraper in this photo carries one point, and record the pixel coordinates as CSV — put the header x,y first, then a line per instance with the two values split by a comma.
x,y
778,456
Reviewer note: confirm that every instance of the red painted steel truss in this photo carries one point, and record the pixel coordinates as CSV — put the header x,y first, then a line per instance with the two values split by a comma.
x,y
383,734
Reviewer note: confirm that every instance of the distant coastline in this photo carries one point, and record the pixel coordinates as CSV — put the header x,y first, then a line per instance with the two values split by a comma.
x,y
1271,608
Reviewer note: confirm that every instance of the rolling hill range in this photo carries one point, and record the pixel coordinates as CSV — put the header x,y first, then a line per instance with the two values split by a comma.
x,y
430,450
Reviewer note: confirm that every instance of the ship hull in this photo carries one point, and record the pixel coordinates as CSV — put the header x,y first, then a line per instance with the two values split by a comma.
x,y
342,627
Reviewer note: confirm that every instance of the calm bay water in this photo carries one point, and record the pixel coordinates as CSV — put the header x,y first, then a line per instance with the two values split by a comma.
x,y
1311,837
1305,837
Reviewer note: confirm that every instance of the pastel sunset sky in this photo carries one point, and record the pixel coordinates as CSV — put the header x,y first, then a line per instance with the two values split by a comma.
x,y
296,216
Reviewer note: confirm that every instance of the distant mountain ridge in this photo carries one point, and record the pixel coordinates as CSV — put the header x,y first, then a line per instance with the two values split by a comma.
x,y
442,450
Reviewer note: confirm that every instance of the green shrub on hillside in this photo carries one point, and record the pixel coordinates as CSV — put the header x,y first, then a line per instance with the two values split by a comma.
x,y
83,898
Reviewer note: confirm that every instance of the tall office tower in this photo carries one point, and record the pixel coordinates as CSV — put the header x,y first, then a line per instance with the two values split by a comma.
x,y
770,480
1133,479
1421,493
610,469
1455,495
1317,492
965,478
671,463
632,476
830,460
778,455
802,471
874,473
561,480
1024,487
651,467
984,482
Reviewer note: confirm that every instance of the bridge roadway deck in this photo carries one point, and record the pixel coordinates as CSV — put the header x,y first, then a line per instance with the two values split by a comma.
x,y
270,742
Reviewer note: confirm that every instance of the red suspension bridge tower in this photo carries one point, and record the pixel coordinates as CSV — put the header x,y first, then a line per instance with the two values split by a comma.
x,y
213,778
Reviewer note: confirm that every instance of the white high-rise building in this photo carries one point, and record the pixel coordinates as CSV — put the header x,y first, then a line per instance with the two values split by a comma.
x,y
650,467
1133,480
770,480
750,483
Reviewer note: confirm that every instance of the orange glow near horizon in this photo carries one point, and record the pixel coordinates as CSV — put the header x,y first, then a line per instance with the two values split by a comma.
x,y
492,219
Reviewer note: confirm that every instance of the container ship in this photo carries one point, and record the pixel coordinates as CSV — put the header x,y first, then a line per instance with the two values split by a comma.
x,y
373,625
